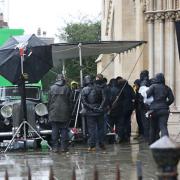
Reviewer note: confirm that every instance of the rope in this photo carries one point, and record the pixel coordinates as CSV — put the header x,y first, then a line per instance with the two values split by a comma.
x,y
117,97
108,64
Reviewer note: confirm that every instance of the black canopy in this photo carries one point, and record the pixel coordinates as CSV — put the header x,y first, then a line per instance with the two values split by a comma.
x,y
62,51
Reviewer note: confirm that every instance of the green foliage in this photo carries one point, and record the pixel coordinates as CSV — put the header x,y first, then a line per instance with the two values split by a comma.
x,y
50,77
73,32
84,31
81,32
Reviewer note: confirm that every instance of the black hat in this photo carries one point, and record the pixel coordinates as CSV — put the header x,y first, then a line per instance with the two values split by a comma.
x,y
137,81
144,75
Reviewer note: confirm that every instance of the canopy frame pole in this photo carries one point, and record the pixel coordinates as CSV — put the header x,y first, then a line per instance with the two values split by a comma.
x,y
63,68
80,63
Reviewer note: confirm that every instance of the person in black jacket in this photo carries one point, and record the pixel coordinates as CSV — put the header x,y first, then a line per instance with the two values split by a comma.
x,y
128,104
59,107
93,99
116,112
163,98
144,78
137,107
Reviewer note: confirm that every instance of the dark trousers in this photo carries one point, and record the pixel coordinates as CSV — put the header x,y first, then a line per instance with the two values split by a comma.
x,y
95,125
107,124
146,125
139,121
59,129
118,121
158,123
127,124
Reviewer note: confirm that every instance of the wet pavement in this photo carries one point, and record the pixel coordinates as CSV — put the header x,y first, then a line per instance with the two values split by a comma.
x,y
126,155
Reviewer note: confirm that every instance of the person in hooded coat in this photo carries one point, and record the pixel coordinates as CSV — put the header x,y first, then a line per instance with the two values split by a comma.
x,y
144,78
113,92
144,81
128,104
93,99
59,107
163,98
137,106
116,112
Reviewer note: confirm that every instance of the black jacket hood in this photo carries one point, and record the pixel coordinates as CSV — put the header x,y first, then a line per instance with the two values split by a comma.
x,y
159,78
144,75
60,82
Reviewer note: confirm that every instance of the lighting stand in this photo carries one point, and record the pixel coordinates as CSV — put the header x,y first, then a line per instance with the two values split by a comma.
x,y
24,123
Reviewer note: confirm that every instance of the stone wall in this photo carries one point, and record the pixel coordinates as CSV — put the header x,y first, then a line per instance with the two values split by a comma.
x,y
149,20
152,21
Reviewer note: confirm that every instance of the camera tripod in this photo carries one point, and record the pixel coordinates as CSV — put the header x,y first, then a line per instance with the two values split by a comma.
x,y
77,111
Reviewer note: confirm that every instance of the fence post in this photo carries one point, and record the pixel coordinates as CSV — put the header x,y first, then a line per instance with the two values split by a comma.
x,y
118,174
74,174
6,177
29,172
139,170
51,174
95,173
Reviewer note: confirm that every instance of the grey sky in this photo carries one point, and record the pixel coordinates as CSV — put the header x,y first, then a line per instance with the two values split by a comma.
x,y
48,14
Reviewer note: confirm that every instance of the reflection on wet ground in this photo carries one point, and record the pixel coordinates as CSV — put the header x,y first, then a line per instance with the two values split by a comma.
x,y
125,155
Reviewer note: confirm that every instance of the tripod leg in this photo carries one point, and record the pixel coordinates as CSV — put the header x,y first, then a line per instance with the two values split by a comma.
x,y
37,133
77,113
14,137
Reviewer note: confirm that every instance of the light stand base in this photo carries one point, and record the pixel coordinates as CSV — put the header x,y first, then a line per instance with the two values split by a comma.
x,y
23,124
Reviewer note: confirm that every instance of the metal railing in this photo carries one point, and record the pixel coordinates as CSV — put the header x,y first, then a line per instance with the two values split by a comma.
x,y
96,175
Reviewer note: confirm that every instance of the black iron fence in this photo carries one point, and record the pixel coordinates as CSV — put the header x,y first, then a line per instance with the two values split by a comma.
x,y
74,177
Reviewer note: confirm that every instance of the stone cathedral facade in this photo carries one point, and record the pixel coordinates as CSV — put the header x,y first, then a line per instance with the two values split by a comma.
x,y
148,20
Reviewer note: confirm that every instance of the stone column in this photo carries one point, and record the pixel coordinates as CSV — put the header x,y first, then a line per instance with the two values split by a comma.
x,y
160,18
159,4
151,5
164,4
171,15
170,4
150,20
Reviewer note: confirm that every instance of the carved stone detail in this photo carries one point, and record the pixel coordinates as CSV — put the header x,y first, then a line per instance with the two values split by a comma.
x,y
178,16
159,16
176,4
144,5
170,15
149,17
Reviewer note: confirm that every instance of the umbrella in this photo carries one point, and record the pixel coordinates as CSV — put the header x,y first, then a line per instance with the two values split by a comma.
x,y
25,58
37,58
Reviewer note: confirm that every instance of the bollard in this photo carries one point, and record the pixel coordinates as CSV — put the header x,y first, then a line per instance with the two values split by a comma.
x,y
6,177
74,174
51,174
139,170
29,172
95,173
166,155
118,174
